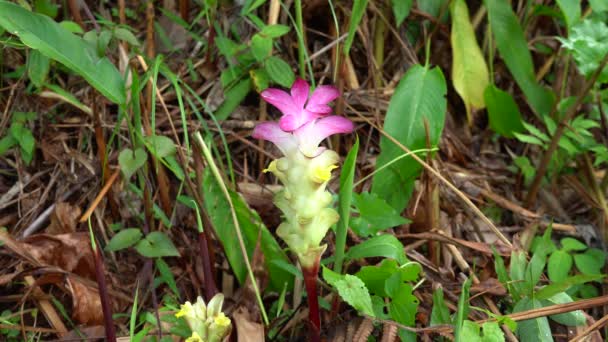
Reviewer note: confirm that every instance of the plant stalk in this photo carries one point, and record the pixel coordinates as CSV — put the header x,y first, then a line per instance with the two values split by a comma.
x,y
103,296
210,288
542,167
314,317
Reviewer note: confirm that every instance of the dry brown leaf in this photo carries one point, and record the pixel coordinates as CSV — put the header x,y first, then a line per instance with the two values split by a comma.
x,y
64,219
247,330
70,252
86,304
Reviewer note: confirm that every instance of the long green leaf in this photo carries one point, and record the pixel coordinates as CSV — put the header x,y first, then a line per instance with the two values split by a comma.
x,y
503,112
359,7
419,97
345,198
386,245
469,70
41,33
513,48
219,212
463,310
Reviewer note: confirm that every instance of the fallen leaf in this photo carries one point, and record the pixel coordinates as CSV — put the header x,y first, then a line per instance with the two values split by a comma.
x,y
70,252
64,219
86,304
247,330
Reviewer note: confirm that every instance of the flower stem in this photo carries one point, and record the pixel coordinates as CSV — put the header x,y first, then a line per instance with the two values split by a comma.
x,y
310,280
103,295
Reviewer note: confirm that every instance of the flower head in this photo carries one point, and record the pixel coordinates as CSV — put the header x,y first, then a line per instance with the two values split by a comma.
x,y
306,121
298,107
305,168
207,322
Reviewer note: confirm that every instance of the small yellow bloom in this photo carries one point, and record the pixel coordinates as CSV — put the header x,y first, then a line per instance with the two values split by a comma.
x,y
322,174
185,310
272,167
221,320
194,338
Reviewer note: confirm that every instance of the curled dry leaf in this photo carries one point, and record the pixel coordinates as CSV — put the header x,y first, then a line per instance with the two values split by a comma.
x,y
64,219
70,252
247,330
86,304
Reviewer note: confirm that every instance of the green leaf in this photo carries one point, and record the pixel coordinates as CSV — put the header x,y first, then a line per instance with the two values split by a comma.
x,y
38,66
387,246
130,161
124,239
41,33
233,98
513,48
528,139
261,47
46,7
126,35
251,224
260,79
160,146
559,265
275,31
492,332
355,18
532,330
440,313
7,143
401,9
351,289
599,5
517,270
61,94
166,275
590,262
469,69
71,26
374,277
419,97
156,245
503,113
279,71
347,177
564,285
572,318
535,268
377,213
403,308
470,332
25,139
571,10
463,310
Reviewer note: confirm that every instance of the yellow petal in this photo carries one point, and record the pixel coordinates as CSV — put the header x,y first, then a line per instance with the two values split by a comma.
x,y
195,338
222,320
322,174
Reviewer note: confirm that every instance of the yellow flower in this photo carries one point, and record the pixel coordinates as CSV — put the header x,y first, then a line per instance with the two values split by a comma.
x,y
185,310
221,320
322,174
194,338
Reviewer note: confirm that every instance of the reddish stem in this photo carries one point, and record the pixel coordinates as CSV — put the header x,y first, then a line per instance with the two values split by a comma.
x,y
314,317
103,295
210,288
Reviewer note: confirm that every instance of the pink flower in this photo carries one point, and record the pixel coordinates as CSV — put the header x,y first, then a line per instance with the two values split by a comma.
x,y
298,108
304,124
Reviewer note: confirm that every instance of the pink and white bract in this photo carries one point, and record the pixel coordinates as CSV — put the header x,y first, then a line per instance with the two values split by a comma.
x,y
306,120
305,168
